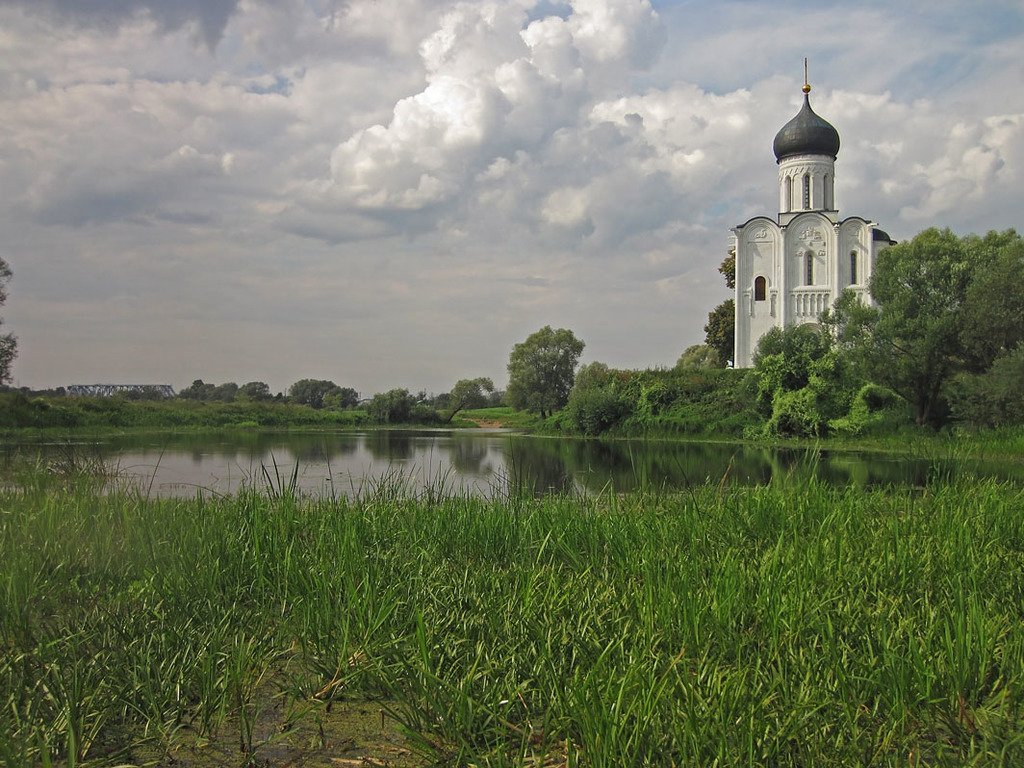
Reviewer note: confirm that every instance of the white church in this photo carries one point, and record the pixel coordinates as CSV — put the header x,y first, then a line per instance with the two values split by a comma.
x,y
790,269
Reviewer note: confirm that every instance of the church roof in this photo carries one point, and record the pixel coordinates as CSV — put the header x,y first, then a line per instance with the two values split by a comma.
x,y
806,134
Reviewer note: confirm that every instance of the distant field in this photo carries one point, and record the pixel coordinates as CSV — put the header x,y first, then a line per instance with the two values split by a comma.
x,y
502,416
784,626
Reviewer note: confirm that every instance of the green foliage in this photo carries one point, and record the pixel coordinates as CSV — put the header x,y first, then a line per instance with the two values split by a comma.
x,y
502,415
994,398
341,398
728,268
993,315
803,382
541,370
254,391
392,407
699,356
874,410
783,358
199,390
947,304
8,343
469,393
596,403
312,392
720,330
680,401
795,413
97,413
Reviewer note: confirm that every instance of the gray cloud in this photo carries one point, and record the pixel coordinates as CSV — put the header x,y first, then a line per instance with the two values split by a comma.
x,y
211,15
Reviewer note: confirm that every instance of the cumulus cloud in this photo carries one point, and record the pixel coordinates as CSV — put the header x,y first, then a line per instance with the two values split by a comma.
x,y
497,83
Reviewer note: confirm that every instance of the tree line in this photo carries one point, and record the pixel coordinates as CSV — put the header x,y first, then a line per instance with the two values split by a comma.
x,y
943,343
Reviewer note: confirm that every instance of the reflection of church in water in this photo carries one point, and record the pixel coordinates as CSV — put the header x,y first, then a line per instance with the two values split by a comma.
x,y
791,269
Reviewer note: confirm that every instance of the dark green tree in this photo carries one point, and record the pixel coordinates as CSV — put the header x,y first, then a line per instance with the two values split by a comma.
x,y
993,316
913,345
699,356
994,398
8,343
803,381
311,392
342,398
468,393
728,269
392,407
225,393
720,329
255,391
596,403
198,390
541,370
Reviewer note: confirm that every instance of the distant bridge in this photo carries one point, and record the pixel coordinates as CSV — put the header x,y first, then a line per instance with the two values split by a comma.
x,y
109,390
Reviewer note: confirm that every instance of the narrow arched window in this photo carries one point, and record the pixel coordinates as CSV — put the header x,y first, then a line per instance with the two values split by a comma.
x,y
807,191
853,267
828,192
787,191
760,289
809,268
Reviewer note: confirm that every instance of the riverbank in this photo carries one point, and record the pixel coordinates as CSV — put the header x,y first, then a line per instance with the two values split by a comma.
x,y
785,625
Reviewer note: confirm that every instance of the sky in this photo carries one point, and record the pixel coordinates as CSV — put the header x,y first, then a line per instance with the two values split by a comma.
x,y
392,193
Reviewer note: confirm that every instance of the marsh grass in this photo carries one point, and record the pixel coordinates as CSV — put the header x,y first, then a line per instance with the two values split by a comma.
x,y
789,625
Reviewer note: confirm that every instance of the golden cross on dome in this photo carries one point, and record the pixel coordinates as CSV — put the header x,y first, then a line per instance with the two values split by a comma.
x,y
807,85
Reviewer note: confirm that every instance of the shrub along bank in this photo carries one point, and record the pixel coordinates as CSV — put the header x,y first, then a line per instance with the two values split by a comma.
x,y
695,402
20,412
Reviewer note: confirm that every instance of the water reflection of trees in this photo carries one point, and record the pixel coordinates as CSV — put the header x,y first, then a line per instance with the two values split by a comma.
x,y
546,465
243,446
630,465
536,466
390,445
467,454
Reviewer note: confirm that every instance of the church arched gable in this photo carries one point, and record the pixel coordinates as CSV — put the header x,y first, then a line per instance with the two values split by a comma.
x,y
810,248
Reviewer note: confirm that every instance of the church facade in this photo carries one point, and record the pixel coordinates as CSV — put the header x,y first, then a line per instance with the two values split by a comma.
x,y
792,267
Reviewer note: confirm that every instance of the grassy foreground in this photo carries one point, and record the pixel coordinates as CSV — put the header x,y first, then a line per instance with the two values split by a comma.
x,y
782,626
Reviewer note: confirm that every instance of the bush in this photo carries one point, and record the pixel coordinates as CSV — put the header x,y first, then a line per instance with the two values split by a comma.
x,y
994,398
796,414
593,411
874,409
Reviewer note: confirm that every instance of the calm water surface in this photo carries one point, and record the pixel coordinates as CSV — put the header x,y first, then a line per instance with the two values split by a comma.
x,y
479,462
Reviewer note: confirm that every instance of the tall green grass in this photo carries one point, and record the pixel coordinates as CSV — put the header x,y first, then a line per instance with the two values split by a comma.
x,y
792,625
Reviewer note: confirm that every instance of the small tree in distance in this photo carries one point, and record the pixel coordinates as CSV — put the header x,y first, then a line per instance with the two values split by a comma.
x,y
469,393
8,344
720,330
255,391
311,392
541,370
342,398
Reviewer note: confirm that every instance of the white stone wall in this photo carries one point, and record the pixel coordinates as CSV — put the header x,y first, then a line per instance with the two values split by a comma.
x,y
779,253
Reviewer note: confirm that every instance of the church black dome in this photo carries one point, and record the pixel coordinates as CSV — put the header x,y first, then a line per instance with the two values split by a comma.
x,y
806,134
